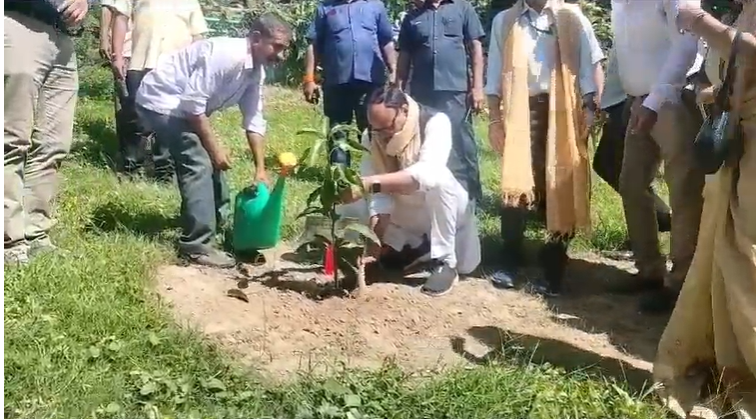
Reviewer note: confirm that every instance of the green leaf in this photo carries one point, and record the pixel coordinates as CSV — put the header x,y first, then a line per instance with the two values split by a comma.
x,y
328,410
153,339
352,400
334,387
310,211
357,145
148,388
309,131
115,346
314,195
315,150
363,231
214,384
353,177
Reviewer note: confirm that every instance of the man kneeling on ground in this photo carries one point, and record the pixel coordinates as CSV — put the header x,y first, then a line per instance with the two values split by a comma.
x,y
177,98
412,192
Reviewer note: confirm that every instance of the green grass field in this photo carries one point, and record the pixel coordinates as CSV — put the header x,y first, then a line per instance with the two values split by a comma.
x,y
85,337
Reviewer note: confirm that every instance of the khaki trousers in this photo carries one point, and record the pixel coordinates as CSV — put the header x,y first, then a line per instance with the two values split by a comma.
x,y
671,141
41,84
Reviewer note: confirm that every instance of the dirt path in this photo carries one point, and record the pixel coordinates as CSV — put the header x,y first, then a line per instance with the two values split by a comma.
x,y
281,329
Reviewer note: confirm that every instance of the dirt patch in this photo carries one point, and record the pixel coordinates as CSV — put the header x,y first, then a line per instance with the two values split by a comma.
x,y
282,329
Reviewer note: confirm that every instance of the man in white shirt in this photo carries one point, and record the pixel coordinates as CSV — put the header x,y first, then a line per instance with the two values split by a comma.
x,y
177,98
146,30
412,192
655,58
540,44
607,160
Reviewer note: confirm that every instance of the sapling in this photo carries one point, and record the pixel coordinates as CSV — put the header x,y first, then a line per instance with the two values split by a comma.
x,y
340,233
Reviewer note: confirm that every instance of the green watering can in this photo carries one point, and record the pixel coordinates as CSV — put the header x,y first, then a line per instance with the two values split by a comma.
x,y
258,213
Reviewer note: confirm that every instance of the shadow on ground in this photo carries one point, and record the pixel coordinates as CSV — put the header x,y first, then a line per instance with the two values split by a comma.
x,y
526,349
113,217
99,144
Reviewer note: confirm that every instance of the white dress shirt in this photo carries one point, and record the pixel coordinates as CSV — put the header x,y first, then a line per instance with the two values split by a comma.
x,y
654,56
541,50
613,92
207,76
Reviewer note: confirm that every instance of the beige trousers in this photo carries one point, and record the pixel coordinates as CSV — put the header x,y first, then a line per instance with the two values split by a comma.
x,y
671,141
41,85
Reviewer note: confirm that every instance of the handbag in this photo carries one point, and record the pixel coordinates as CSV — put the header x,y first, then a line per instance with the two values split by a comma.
x,y
720,137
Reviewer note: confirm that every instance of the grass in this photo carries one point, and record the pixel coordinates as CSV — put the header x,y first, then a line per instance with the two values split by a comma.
x,y
86,338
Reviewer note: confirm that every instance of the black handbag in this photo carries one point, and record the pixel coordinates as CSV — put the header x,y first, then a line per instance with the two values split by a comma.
x,y
720,137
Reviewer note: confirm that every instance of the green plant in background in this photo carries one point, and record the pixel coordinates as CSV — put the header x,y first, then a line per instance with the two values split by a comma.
x,y
324,227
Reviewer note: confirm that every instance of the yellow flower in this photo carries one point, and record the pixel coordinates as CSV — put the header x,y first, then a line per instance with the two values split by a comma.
x,y
287,159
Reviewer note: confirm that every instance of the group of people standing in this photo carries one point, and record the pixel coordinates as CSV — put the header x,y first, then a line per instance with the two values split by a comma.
x,y
544,83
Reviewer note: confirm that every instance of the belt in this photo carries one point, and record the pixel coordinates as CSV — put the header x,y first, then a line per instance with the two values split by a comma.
x,y
48,20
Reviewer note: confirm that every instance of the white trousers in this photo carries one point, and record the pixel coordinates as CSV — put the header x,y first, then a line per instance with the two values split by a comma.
x,y
445,214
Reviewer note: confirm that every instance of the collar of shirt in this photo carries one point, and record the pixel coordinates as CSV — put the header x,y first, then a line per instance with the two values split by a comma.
x,y
429,4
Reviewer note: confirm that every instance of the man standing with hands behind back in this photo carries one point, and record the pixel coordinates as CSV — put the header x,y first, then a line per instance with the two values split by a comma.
x,y
654,60
438,42
41,87
353,41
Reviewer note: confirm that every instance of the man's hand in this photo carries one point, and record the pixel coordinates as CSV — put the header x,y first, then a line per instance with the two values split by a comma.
x,y
262,176
350,194
687,15
642,119
478,99
220,159
105,50
74,11
497,136
311,92
118,65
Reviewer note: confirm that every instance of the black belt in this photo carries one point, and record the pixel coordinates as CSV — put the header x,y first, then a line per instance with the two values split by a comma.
x,y
48,20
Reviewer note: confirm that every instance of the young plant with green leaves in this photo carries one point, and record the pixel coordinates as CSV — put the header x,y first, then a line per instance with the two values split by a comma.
x,y
324,226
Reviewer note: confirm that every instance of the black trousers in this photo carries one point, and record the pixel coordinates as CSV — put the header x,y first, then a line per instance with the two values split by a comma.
x,y
607,161
344,104
135,136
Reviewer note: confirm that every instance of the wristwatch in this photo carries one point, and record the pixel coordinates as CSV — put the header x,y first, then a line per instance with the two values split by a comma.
x,y
375,187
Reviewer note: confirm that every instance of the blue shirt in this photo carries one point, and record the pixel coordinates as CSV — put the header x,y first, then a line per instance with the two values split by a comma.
x,y
435,40
348,37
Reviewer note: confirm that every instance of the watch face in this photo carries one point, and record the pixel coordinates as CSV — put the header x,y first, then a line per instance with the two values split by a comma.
x,y
375,188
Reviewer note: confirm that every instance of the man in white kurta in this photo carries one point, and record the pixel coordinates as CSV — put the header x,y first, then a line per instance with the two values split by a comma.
x,y
422,198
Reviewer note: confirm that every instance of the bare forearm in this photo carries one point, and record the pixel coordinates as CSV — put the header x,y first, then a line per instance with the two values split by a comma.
x,y
120,27
389,56
477,64
402,69
721,36
310,61
201,126
106,23
256,144
598,79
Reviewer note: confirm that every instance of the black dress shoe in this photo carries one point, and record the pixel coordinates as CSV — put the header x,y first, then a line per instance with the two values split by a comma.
x,y
504,278
659,302
553,258
512,259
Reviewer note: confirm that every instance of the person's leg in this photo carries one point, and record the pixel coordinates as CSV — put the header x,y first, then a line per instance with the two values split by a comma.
x,y
639,167
199,206
675,130
365,90
138,136
28,56
163,164
446,204
463,161
50,143
514,220
339,104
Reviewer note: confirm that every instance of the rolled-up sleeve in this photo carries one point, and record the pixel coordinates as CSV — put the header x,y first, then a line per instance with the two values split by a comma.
x,y
378,203
434,153
251,107
197,22
495,52
591,55
120,6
